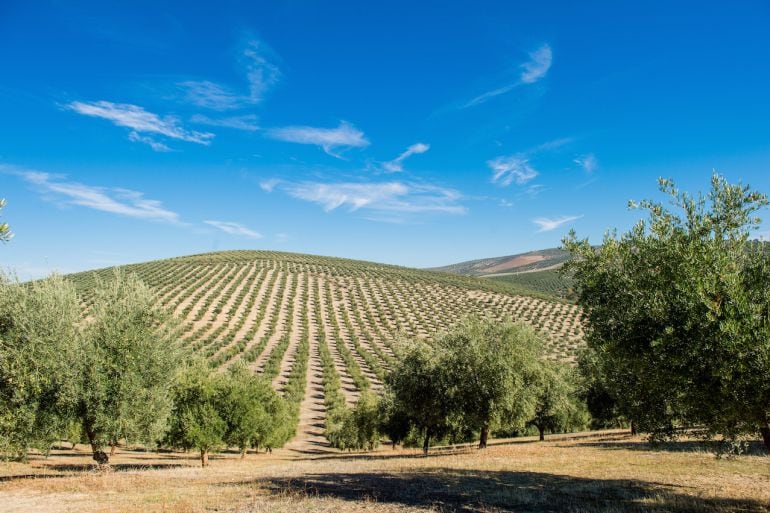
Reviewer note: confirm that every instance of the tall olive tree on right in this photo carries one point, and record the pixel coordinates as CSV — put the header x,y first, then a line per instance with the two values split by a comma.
x,y
678,313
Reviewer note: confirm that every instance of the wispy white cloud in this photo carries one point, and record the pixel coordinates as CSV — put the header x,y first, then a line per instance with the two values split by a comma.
x,y
234,229
260,71
546,225
261,74
269,185
532,71
210,95
397,165
537,66
140,120
246,122
511,169
330,139
588,162
152,143
394,198
118,201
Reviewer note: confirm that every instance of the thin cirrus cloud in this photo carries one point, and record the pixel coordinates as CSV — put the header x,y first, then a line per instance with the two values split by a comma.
x,y
233,228
247,122
141,122
260,72
512,169
124,202
331,140
533,70
546,224
588,162
397,165
395,198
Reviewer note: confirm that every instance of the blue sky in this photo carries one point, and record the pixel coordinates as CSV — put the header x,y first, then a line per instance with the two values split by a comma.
x,y
411,133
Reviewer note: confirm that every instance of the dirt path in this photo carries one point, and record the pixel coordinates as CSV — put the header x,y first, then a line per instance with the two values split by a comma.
x,y
310,437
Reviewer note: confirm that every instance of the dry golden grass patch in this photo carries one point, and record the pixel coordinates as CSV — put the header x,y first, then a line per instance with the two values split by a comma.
x,y
600,473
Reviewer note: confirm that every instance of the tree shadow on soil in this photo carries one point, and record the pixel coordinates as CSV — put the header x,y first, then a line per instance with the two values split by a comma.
x,y
453,491
755,448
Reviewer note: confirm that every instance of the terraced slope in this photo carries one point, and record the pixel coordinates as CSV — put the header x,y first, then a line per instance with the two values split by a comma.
x,y
317,325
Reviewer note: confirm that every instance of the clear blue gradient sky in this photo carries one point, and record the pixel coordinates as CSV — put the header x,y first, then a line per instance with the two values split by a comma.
x,y
414,133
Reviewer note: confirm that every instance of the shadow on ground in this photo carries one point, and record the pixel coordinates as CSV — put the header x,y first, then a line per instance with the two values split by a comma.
x,y
467,491
753,448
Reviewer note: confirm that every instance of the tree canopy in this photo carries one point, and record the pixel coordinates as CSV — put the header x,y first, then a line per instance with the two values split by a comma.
x,y
678,313
39,362
128,362
480,376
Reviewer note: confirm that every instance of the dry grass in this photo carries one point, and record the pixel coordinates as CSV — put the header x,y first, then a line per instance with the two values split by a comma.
x,y
601,473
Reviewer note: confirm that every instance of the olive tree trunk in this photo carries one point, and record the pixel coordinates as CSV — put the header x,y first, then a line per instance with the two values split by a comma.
x,y
484,436
765,430
204,458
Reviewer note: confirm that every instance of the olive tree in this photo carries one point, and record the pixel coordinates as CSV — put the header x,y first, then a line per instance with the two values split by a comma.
x,y
250,408
39,356
196,422
557,406
128,363
490,369
420,391
678,313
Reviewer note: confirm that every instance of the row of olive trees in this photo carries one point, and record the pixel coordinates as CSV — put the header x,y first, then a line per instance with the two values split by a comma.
x,y
114,376
480,377
678,317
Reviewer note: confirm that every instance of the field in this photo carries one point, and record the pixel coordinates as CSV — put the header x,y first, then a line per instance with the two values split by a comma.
x,y
304,321
519,263
548,281
601,472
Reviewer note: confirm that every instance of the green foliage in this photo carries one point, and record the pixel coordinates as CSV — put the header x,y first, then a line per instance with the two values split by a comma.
x,y
677,312
196,420
253,412
357,428
557,407
394,420
39,358
420,390
549,281
5,230
594,391
489,369
128,363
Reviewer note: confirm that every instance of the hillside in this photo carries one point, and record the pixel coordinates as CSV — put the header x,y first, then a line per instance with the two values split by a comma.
x,y
533,273
286,314
522,262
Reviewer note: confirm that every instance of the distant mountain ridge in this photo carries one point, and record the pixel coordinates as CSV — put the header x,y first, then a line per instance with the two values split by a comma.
x,y
511,264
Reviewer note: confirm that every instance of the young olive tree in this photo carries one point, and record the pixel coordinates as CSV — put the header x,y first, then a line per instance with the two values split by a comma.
x,y
128,364
557,406
491,369
419,390
196,421
250,408
39,358
678,313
